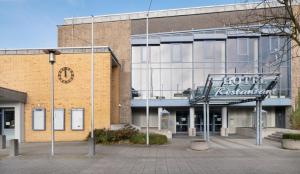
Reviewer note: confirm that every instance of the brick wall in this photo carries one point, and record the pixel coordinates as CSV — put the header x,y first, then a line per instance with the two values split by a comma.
x,y
31,74
116,35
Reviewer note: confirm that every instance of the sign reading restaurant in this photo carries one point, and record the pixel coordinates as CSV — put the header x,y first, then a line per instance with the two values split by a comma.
x,y
242,86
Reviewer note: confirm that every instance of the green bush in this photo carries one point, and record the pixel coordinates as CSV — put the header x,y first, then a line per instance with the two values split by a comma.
x,y
157,139
153,139
291,136
128,133
139,138
106,136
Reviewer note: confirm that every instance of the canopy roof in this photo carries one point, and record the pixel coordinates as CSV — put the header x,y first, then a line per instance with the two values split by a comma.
x,y
8,95
235,88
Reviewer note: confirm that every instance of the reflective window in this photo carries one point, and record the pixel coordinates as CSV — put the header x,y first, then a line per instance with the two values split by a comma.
x,y
209,57
238,60
176,67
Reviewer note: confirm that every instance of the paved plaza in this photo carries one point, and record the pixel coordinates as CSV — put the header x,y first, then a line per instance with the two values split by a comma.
x,y
233,155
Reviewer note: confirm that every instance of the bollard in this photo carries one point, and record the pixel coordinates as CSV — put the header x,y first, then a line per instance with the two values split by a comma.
x,y
2,141
13,147
91,144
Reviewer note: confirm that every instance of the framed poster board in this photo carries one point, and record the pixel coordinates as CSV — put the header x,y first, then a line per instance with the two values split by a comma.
x,y
59,119
39,119
77,119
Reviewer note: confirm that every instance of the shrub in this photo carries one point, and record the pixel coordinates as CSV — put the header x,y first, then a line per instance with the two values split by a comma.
x,y
291,136
153,139
139,138
106,136
157,139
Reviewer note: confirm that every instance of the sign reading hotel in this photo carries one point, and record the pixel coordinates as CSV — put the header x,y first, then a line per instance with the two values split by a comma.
x,y
242,86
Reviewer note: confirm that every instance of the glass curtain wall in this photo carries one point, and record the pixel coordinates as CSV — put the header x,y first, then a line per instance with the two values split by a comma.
x,y
177,67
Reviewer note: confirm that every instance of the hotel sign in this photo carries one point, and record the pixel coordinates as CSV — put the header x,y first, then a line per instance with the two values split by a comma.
x,y
242,86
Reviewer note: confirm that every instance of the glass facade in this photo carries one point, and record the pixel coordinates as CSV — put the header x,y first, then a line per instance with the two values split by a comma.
x,y
179,66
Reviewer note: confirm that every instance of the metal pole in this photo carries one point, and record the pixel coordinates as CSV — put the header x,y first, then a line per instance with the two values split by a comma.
x,y
257,122
91,142
92,81
148,78
52,107
260,122
207,114
204,121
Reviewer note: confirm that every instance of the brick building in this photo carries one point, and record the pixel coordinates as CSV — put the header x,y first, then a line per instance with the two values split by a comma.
x,y
186,45
25,93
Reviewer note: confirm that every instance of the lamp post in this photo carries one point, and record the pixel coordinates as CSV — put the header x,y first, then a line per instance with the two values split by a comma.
x,y
52,53
148,74
92,140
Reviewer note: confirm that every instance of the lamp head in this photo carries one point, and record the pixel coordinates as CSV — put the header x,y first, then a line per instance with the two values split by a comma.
x,y
52,53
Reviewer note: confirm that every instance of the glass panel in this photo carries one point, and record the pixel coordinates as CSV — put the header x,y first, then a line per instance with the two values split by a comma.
x,y
176,53
166,79
9,119
242,46
186,78
165,52
136,54
155,79
177,80
238,60
136,79
187,52
155,53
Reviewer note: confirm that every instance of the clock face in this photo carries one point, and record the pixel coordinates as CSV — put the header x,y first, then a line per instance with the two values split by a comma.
x,y
66,75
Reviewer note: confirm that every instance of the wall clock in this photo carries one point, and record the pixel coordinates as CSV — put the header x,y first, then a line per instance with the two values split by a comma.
x,y
65,75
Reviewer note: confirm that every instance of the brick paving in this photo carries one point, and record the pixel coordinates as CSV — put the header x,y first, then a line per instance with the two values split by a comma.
x,y
234,155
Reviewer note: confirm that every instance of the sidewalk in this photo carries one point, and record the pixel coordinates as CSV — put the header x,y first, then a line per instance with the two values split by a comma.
x,y
227,155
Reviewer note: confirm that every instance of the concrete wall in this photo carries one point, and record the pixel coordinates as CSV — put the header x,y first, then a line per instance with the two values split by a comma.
x,y
139,118
31,74
243,117
116,35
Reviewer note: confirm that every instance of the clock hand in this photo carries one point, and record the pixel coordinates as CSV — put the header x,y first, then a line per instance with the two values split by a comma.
x,y
65,73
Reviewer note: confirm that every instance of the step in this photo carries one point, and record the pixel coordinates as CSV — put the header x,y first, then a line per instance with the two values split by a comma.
x,y
273,139
275,136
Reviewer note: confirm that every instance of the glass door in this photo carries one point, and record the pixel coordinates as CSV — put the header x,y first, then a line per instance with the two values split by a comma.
x,y
182,121
8,123
215,121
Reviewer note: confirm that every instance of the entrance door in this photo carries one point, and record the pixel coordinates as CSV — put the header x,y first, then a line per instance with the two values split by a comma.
x,y
182,121
215,121
8,123
280,117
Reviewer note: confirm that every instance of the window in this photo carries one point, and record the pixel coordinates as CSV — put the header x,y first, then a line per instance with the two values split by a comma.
x,y
38,119
176,53
59,119
274,43
9,119
242,46
77,117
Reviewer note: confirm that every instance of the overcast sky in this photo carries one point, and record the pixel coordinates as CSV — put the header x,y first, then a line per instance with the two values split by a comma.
x,y
32,23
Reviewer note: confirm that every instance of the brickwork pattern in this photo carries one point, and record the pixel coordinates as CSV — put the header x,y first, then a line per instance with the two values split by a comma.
x,y
31,74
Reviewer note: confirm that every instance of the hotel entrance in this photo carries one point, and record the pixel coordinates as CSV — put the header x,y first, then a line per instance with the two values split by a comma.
x,y
182,122
215,121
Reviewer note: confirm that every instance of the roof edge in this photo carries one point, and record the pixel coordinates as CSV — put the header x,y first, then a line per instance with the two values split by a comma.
x,y
170,12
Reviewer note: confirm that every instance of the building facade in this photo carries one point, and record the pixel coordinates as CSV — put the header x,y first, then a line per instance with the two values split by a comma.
x,y
185,45
25,93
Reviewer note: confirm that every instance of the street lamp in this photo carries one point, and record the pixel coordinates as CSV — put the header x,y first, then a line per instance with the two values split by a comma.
x,y
148,74
91,141
52,53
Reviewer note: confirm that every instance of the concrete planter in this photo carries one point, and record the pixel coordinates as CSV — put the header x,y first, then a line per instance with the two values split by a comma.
x,y
199,145
290,144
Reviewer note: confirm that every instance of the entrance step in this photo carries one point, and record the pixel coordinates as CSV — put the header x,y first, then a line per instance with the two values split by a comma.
x,y
277,136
